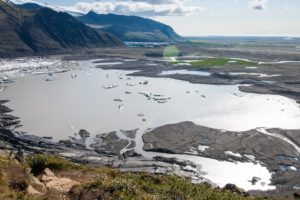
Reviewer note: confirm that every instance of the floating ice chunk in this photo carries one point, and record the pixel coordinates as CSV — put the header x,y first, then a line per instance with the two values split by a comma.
x,y
147,95
73,75
130,84
121,107
110,86
48,79
118,100
144,83
161,98
156,97
140,115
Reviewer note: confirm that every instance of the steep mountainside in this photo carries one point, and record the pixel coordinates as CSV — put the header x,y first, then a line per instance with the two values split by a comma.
x,y
131,28
11,20
25,32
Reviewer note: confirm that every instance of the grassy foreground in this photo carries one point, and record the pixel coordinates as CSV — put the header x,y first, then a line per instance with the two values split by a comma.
x,y
100,183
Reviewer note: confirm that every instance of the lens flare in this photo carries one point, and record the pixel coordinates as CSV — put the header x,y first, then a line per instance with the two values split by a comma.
x,y
171,53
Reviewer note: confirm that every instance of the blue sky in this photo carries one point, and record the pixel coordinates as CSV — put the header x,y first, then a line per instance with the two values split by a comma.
x,y
206,17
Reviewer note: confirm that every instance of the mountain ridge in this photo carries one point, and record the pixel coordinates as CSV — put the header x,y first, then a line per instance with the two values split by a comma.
x,y
25,32
131,28
125,27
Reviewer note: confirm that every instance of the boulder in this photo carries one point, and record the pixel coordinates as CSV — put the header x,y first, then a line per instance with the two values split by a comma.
x,y
37,185
233,188
48,172
53,182
32,191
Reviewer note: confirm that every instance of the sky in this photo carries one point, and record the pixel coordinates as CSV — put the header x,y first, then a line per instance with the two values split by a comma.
x,y
205,17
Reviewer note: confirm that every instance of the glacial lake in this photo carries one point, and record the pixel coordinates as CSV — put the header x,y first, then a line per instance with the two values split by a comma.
x,y
101,101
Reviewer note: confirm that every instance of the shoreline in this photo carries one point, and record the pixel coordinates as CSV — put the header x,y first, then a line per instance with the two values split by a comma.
x,y
130,161
112,159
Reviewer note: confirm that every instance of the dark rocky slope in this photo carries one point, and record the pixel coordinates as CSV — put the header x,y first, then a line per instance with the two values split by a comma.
x,y
131,28
24,32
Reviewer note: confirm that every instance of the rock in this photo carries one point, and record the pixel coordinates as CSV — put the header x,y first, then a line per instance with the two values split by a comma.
x,y
61,184
84,134
254,180
130,153
20,155
176,161
38,185
297,195
117,164
32,191
233,188
56,183
118,100
48,172
75,191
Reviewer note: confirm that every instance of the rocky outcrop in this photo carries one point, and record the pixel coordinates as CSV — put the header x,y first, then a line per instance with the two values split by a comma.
x,y
50,182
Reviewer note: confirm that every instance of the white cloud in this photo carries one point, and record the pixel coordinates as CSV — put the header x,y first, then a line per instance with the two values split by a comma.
x,y
258,4
139,7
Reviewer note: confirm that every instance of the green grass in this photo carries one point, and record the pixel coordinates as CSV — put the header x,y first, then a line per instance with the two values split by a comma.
x,y
39,162
147,186
204,43
217,62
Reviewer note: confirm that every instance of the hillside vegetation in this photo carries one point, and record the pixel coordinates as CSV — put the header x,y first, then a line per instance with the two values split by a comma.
x,y
96,183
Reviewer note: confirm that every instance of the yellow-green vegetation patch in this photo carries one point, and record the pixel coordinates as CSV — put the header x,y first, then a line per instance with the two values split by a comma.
x,y
107,183
39,162
148,186
215,62
170,52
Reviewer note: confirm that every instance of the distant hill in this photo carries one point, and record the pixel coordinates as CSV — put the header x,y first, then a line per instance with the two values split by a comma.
x,y
131,28
30,31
